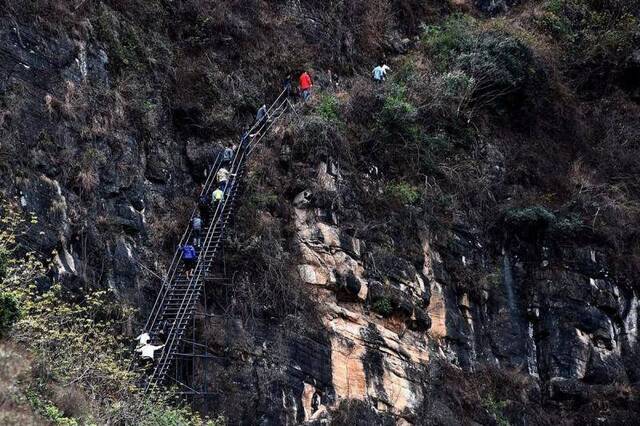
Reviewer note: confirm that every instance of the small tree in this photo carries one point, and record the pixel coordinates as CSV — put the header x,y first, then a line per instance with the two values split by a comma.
x,y
9,312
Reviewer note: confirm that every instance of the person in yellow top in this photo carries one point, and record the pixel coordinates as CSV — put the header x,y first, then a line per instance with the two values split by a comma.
x,y
216,198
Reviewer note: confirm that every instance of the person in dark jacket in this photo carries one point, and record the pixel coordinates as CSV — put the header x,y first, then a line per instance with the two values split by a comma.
x,y
227,156
163,329
286,85
262,116
204,207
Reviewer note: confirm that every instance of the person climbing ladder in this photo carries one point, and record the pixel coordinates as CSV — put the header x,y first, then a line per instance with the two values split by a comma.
x,y
190,259
223,177
196,230
262,116
197,256
204,207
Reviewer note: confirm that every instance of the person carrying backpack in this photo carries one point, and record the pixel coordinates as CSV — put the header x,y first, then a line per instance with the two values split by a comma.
x,y
217,197
190,259
227,156
204,207
223,177
196,230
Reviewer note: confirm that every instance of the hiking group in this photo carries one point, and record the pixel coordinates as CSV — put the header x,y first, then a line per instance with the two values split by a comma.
x,y
209,204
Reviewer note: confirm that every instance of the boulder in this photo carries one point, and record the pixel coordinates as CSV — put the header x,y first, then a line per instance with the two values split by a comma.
x,y
303,199
129,218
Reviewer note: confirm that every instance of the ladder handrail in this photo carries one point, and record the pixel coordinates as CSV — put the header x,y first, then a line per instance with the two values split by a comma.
x,y
184,313
205,258
185,236
186,300
175,260
176,257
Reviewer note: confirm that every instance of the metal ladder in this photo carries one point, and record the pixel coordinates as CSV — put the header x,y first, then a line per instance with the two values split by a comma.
x,y
179,295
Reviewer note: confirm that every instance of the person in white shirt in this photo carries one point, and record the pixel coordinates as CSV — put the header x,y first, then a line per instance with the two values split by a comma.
x,y
143,339
378,74
223,176
147,351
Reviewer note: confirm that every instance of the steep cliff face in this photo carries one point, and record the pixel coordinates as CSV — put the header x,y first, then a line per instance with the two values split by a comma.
x,y
457,245
559,317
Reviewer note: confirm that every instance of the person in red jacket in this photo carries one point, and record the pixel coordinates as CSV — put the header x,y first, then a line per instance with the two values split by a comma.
x,y
305,85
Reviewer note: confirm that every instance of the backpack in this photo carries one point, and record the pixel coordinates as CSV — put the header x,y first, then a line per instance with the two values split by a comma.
x,y
188,252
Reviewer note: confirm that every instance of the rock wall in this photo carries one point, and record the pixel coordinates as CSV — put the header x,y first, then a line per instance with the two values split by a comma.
x,y
559,317
109,166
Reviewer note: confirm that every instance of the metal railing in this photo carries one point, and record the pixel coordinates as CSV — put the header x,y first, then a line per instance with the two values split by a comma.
x,y
172,287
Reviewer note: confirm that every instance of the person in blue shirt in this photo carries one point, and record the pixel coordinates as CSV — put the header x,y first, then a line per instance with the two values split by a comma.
x,y
190,258
227,156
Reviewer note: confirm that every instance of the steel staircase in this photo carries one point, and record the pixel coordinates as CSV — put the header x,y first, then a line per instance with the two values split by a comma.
x,y
179,295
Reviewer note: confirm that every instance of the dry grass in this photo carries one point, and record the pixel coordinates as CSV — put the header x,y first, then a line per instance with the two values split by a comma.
x,y
88,180
15,366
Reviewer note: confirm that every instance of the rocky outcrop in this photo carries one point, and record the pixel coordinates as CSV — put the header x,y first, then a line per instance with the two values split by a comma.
x,y
557,316
71,155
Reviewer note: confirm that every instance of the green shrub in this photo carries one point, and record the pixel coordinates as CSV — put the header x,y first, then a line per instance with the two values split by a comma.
x,y
568,226
529,217
496,408
497,61
487,63
397,110
328,107
263,200
396,120
383,306
444,42
406,72
457,84
554,20
403,192
49,410
9,312
593,29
